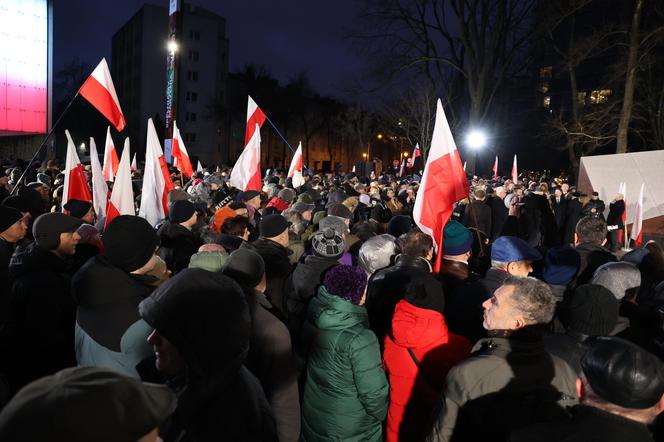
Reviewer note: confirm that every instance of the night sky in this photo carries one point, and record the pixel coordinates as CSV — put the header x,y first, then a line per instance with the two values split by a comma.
x,y
286,36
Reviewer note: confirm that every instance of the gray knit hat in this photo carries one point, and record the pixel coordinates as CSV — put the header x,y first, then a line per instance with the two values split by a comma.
x,y
327,244
618,277
287,195
334,222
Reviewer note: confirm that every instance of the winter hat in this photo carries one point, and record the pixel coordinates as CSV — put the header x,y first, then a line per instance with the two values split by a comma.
x,y
635,256
376,253
221,198
77,208
425,292
618,277
215,178
300,207
333,222
86,403
272,226
287,195
306,199
181,211
43,178
8,217
245,266
561,264
237,205
327,244
89,235
346,282
513,249
129,242
592,310
338,209
270,210
48,227
248,195
176,195
399,225
335,197
17,202
457,239
623,373
210,260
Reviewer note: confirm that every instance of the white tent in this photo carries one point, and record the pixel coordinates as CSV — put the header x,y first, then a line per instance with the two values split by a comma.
x,y
604,173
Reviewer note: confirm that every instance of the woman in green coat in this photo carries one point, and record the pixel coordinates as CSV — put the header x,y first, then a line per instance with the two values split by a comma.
x,y
346,391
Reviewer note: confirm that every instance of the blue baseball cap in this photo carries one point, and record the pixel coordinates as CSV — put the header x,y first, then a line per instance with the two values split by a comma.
x,y
512,249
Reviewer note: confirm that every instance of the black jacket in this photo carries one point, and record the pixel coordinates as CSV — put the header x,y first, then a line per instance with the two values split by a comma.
x,y
499,215
559,211
592,256
41,323
587,424
616,210
177,244
277,268
568,347
599,207
574,208
478,216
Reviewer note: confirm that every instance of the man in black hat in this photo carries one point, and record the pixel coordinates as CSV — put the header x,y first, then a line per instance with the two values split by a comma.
x,y
41,316
84,404
272,245
621,390
595,207
82,210
13,228
178,242
252,201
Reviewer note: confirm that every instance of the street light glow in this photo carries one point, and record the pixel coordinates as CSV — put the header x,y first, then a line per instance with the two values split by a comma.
x,y
172,46
380,136
476,139
405,154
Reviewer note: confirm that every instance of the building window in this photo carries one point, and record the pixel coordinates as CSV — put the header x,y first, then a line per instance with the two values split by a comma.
x,y
547,101
600,96
194,75
544,87
546,72
193,55
192,96
188,96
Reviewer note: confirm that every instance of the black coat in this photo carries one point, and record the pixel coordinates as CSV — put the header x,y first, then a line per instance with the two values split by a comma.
x,y
616,210
599,207
499,215
559,211
277,268
592,256
478,215
587,424
574,208
41,323
568,347
177,244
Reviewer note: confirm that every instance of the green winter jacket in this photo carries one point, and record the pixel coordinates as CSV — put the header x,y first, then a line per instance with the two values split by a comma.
x,y
346,391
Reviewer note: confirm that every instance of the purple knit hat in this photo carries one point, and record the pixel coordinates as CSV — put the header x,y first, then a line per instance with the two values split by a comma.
x,y
346,282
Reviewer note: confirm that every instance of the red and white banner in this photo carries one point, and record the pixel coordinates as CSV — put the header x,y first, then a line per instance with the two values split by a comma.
x,y
76,184
637,227
416,152
111,161
180,154
99,187
296,166
122,196
495,167
156,180
246,173
622,233
443,184
255,116
515,171
98,89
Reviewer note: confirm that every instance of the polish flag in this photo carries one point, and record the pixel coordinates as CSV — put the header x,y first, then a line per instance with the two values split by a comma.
x,y
416,152
98,89
295,169
637,227
443,184
246,174
99,187
111,161
464,167
156,180
180,155
122,196
133,166
402,172
515,172
199,167
495,167
622,233
255,116
76,185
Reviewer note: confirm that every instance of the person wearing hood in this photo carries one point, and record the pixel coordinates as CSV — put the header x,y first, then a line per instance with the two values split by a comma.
x,y
419,351
202,329
346,391
41,309
177,241
107,290
270,356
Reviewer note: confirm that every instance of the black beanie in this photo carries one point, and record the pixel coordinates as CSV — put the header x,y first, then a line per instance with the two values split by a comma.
x,y
129,242
245,266
47,229
592,310
17,202
181,211
77,208
8,216
272,225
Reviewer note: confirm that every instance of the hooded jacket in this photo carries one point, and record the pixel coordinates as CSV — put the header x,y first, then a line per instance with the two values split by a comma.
x,y
346,392
109,331
206,317
177,244
417,379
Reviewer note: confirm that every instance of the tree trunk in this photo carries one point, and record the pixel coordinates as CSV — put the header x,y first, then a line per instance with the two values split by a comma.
x,y
630,80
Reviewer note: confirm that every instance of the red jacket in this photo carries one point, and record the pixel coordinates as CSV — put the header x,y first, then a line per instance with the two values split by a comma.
x,y
413,397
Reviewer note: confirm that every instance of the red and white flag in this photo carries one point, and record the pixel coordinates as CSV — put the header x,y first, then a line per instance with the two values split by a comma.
x,y
622,233
246,174
133,166
515,172
495,167
99,187
296,166
98,89
76,184
111,161
402,172
122,196
416,152
180,154
255,116
199,167
156,180
443,184
637,227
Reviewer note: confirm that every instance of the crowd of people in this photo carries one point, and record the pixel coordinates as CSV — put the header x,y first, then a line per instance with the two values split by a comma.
x,y
316,313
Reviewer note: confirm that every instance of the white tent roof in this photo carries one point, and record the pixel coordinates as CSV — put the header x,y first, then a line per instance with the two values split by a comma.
x,y
604,173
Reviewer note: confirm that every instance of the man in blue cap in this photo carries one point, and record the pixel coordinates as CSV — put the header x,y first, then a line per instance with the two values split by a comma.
x,y
510,256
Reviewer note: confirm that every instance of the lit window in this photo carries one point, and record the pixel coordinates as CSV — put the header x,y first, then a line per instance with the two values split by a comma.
x,y
581,98
546,72
544,87
547,101
600,96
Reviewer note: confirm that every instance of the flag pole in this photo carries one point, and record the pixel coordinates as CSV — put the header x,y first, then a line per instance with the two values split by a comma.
x,y
279,133
41,146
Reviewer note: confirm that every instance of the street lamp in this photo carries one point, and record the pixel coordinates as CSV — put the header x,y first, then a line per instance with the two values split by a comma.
x,y
476,140
379,136
365,155
172,46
